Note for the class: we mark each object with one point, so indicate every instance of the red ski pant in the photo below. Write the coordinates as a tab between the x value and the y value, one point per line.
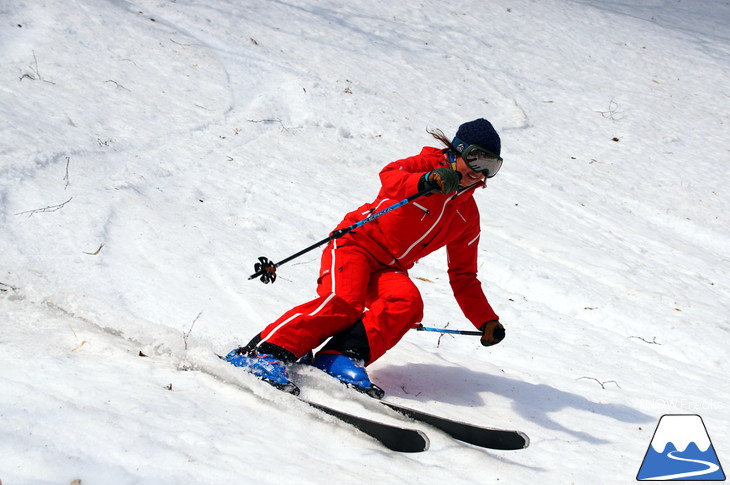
352	286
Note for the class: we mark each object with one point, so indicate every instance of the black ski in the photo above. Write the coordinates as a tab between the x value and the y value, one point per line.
494	438
409	440
395	438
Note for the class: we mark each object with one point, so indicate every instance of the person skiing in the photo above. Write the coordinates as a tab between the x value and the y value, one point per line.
366	301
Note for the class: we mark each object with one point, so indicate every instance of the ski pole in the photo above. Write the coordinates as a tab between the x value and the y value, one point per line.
266	269
421	328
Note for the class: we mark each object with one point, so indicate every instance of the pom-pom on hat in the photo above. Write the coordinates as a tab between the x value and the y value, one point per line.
478	132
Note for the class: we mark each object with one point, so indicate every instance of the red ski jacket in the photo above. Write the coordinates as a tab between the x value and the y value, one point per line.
400	238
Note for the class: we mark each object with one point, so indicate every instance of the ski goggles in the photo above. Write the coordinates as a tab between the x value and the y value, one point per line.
479	159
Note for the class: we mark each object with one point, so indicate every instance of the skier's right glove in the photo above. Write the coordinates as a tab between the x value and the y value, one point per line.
492	333
442	178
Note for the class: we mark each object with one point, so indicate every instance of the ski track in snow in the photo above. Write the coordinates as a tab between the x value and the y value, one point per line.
154	149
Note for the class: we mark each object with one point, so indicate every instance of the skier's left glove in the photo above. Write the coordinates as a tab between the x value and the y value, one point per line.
492	333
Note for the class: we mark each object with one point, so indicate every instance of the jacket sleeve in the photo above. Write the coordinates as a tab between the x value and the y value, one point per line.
400	178
462	259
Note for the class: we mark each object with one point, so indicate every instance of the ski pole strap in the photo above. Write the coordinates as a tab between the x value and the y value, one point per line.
421	328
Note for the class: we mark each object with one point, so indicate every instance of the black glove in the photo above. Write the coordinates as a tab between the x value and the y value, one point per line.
492	333
443	178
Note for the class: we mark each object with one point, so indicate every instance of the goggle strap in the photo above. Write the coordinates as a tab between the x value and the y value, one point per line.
459	145
452	159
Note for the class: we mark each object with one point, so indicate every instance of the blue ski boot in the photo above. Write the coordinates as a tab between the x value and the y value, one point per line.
264	366
349	371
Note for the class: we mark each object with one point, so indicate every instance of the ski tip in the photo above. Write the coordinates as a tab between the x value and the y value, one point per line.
426	441
526	438
416	441
517	441
509	440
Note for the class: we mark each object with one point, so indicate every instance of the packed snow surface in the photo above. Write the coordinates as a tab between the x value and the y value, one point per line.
152	150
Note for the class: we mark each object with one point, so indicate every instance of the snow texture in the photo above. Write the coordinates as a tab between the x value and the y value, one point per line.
152	150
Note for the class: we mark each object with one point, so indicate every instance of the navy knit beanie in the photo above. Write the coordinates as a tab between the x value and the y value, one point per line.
478	132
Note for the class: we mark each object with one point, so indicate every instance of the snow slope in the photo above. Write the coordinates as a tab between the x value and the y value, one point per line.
152	150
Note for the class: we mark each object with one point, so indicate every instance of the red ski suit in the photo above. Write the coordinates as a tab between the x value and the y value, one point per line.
364	274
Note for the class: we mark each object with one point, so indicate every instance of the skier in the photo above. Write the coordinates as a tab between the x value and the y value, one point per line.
366	301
